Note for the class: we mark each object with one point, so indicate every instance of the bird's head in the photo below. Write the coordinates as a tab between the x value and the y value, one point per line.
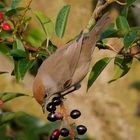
39	93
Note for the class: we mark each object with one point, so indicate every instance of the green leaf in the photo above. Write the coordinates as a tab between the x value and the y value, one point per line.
130	38
35	37
122	24
122	65
130	2
21	67
4	48
46	23
61	21
9	116
51	47
14	12
6	96
15	3
97	69
24	66
17	53
124	12
2	7
19	45
109	33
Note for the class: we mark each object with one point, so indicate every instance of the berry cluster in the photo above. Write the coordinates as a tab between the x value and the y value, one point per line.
3	24
54	116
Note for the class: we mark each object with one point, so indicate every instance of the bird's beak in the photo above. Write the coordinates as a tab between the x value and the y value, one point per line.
43	108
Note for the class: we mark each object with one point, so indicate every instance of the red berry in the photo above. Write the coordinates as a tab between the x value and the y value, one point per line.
1	102
1	14
6	26
55	134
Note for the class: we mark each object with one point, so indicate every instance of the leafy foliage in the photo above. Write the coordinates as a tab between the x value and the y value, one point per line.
62	21
97	69
122	65
10	95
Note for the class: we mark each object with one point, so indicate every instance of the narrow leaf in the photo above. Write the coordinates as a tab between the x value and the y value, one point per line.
130	38
17	53
19	44
16	71
21	68
97	69
130	2
14	12
122	65
109	33
6	96
61	21
122	24
24	66
2	7
14	3
46	23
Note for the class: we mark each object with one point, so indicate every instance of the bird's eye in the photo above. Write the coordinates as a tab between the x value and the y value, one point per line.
45	96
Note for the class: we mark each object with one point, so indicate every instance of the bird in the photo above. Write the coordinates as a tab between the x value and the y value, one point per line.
63	71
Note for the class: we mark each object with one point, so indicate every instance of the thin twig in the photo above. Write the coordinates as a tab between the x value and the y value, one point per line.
21	18
67	120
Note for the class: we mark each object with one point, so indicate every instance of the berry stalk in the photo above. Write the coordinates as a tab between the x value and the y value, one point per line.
67	120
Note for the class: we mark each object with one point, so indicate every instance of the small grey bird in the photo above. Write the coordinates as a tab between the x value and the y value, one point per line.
68	66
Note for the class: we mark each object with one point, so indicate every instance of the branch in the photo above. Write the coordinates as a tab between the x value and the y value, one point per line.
67	120
20	21
101	5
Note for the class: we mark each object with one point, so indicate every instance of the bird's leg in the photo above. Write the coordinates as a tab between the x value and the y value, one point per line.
72	89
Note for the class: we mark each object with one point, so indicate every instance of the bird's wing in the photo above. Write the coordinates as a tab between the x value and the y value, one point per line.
72	53
61	66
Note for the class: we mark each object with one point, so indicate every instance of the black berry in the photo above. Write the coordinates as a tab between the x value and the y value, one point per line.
81	129
50	107
55	134
51	117
53	137
56	101
64	132
75	114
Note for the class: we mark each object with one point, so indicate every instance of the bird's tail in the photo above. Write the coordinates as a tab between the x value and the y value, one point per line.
94	35
101	25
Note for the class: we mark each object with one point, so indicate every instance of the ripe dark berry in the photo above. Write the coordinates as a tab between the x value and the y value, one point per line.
56	101
1	14
75	114
53	137
55	134
6	26
58	115
50	107
64	132
51	117
81	129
